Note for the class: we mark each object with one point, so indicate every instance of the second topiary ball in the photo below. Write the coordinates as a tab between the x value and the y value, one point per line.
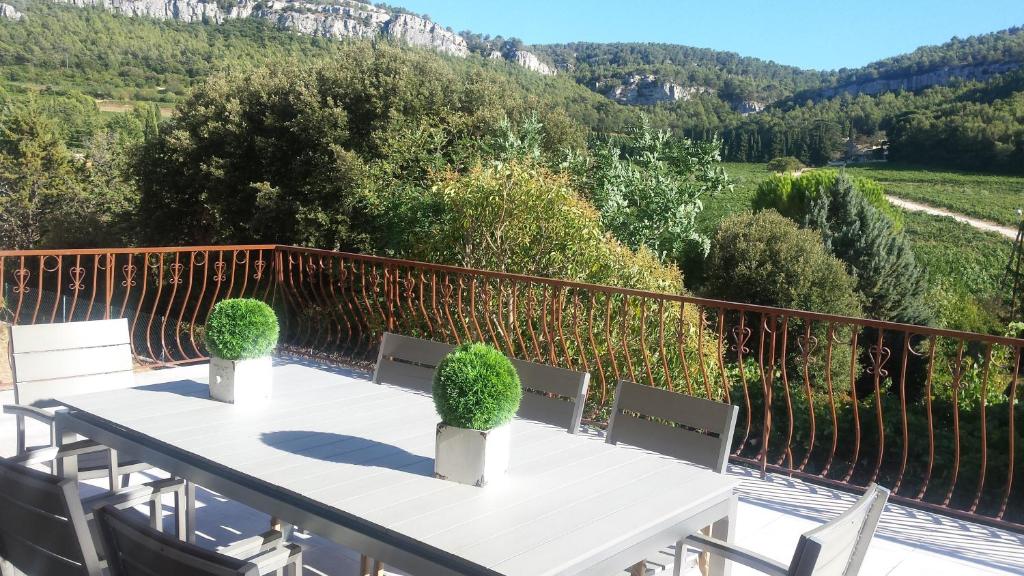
476	387
241	329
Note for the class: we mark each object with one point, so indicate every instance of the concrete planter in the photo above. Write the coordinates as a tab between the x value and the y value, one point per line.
241	381
475	457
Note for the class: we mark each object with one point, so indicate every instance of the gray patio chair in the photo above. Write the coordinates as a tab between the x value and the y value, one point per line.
692	429
134	549
45	527
836	548
50	360
550	394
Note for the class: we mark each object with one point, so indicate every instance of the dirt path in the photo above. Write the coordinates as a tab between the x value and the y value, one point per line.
985	225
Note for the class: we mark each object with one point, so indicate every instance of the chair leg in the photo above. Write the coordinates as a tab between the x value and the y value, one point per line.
704	557
370	567
20	432
156	514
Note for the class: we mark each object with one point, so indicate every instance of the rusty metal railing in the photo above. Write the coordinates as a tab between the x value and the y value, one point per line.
931	413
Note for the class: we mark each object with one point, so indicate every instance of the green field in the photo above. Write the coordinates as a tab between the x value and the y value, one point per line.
965	265
991	197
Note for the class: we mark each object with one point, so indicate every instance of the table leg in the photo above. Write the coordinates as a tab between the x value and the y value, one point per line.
724	529
190	512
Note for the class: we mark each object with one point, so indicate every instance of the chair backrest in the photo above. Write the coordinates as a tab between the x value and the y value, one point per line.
550	395
677	425
50	360
42	525
135	549
837	548
409	362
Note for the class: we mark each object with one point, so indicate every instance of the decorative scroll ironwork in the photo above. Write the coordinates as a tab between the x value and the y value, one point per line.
842	401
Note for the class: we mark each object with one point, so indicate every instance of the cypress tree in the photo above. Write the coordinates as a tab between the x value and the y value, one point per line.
879	257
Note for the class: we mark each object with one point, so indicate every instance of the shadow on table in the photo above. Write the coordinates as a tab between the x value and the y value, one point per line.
345	449
189	388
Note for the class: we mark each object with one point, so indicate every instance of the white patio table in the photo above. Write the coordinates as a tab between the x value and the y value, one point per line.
353	461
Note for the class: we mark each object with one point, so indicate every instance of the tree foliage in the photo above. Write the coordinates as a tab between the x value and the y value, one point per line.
767	259
792	195
649	189
879	256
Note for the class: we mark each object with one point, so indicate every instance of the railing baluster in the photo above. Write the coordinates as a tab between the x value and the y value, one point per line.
335	305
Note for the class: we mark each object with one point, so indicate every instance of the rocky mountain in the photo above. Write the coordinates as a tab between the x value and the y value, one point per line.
341	19
9	12
913	82
636	74
646	90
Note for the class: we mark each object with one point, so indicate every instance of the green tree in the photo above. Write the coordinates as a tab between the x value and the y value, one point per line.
515	217
767	259
649	189
36	176
879	257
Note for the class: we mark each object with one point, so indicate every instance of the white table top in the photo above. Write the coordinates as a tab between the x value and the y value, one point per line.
366	450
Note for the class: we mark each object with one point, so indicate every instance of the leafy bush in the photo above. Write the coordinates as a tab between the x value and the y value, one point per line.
241	328
792	195
785	164
767	259
476	387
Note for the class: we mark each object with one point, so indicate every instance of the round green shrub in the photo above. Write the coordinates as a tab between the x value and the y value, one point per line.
241	328
476	387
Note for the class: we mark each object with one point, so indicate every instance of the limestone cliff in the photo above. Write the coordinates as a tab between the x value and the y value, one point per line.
8	12
344	19
938	77
647	90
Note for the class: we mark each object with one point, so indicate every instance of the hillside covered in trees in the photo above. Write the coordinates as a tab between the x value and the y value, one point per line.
956	105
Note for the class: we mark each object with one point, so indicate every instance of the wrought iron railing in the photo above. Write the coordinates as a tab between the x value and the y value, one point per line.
931	413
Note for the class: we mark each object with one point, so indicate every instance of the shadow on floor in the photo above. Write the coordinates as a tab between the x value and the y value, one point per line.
920	529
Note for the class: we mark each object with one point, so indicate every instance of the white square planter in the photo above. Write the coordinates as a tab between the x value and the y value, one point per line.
473	457
241	381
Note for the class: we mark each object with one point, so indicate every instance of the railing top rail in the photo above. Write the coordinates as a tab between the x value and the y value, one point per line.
137	250
911	329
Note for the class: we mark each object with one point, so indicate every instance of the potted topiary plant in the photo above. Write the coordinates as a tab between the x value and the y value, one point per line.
240	334
476	392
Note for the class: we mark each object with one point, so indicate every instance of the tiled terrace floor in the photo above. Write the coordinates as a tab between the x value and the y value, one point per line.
772	515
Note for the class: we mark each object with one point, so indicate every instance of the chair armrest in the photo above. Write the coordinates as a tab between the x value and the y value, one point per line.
135	495
79	448
36	456
251	546
29	412
271	560
737	554
51	453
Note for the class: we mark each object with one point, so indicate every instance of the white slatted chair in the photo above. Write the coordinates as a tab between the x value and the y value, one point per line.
836	548
550	394
692	429
50	360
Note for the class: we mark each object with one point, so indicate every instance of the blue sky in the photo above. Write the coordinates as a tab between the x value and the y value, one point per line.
823	34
